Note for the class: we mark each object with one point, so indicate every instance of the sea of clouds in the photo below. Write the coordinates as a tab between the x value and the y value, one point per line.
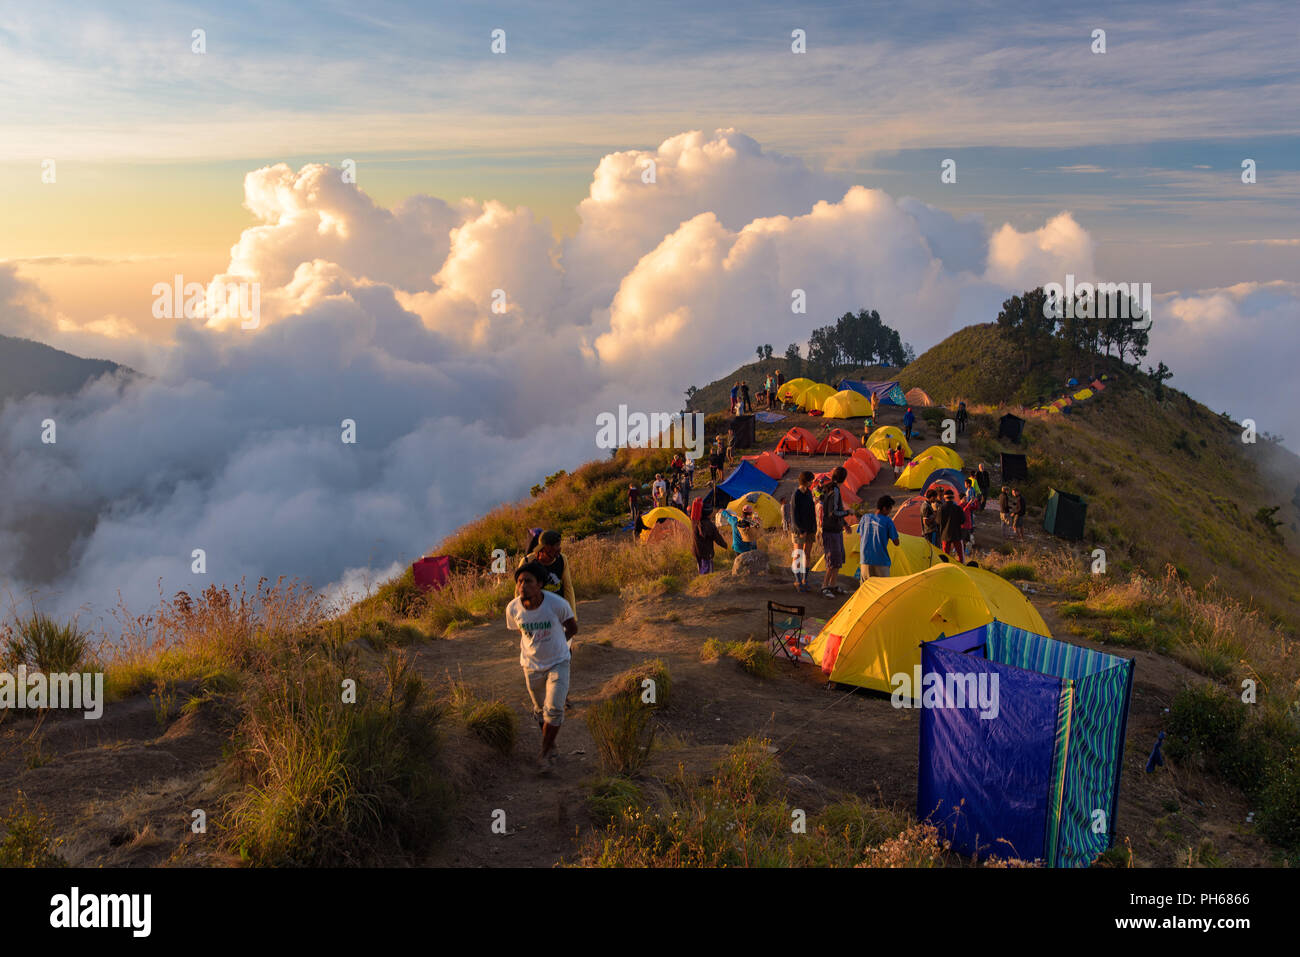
231	443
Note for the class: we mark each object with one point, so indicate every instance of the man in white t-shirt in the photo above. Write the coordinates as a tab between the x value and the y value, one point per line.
659	490
545	623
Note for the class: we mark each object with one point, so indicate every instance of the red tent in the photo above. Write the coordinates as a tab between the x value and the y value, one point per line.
907	519
838	441
769	463
797	440
431	573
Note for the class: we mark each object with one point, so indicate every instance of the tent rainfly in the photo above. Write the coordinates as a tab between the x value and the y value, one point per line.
1022	741
1065	514
1010	426
745	477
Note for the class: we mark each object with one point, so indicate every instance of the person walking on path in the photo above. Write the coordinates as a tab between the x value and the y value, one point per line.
962	416
546	625
909	417
1018	508
951	519
832	525
704	536
803	529
544	550
875	532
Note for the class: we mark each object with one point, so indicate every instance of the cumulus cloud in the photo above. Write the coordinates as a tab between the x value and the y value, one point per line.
386	317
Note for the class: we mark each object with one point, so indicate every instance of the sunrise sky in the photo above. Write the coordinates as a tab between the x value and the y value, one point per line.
522	170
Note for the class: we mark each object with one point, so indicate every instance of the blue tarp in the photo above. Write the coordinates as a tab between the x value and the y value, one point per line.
886	393
769	416
746	478
1036	780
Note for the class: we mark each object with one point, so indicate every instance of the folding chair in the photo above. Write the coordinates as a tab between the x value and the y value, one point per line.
785	631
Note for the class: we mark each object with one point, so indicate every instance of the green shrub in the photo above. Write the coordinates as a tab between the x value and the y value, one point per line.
27	840
1279	801
753	657
623	733
492	722
1018	571
611	798
712	649
40	642
631	682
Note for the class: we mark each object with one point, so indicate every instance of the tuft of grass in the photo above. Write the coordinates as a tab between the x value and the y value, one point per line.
1018	571
28	838
623	732
611	798
492	722
753	658
632	683
40	642
327	781
712	650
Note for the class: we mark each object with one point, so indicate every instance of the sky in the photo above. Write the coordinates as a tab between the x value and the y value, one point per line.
128	157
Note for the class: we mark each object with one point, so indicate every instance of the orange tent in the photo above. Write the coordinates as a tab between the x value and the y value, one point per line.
869	461
918	396
769	463
838	441
797	440
857	470
848	489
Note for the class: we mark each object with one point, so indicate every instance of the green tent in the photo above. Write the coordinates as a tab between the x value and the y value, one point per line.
1065	514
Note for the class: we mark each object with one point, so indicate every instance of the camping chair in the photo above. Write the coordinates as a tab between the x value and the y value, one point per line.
785	630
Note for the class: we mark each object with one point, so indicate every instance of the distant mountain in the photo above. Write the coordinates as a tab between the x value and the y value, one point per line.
32	368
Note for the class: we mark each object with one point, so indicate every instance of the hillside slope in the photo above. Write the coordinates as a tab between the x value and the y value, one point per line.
32	368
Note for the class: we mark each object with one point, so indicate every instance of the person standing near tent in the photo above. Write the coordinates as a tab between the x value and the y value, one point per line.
717	460
546	626
909	417
659	490
930	516
780	379
1018	508
962	416
875	406
832	525
803	530
896	459
704	535
875	532
634	503
951	519
744	529
985	482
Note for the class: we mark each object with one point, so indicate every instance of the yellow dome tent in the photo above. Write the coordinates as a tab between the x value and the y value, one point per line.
766	508
652	517
919	469
812	397
878	442
790	390
878	632
912	554
846	404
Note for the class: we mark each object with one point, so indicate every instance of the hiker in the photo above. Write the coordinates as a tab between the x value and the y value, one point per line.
659	490
634	503
731	445
546	625
962	416
875	407
896	459
832	526
690	473
985	482
909	417
802	525
717	459
744	529
704	535
951	519
735	394
1018	508
544	550
930	516
875	532
744	399
1004	507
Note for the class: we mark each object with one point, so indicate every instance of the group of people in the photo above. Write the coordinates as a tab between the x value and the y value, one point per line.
765	399
673	491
